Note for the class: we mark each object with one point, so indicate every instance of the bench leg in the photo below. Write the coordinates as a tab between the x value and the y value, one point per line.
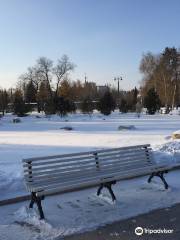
32	200
31	204
107	185
159	174
37	200
150	177
100	189
40	208
111	192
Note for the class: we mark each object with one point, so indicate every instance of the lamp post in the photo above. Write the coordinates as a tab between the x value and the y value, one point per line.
118	79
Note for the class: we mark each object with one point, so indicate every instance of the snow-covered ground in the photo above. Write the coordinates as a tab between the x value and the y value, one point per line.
73	212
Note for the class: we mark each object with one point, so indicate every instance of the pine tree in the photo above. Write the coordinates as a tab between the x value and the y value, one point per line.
3	101
30	93
107	104
135	94
87	106
19	106
152	101
64	106
123	107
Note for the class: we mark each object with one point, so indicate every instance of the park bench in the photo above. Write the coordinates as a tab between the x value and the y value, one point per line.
69	172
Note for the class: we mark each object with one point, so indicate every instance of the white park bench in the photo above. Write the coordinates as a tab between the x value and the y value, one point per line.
69	172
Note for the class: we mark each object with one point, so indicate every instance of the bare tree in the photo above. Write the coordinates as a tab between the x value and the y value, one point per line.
63	67
148	66
161	72
44	72
31	76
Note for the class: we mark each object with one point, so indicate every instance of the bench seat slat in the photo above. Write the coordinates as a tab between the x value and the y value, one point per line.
92	182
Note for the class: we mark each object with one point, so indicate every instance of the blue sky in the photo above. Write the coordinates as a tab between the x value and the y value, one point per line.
104	38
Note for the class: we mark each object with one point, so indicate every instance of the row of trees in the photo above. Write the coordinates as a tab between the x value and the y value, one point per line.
105	105
48	86
161	72
20	103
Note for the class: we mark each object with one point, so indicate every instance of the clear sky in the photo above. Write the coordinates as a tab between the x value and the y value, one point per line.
104	38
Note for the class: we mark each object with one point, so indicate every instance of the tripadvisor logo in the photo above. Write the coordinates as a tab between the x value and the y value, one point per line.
140	231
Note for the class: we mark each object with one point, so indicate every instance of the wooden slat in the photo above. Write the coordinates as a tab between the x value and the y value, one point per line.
129	164
151	167
82	176
84	158
87	168
64	166
84	165
62	172
66	163
96	181
61	178
61	161
84	153
122	159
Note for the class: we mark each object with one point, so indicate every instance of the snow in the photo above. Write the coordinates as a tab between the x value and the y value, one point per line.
176	132
80	211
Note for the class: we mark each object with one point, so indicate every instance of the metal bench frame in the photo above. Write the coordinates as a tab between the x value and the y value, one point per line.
38	194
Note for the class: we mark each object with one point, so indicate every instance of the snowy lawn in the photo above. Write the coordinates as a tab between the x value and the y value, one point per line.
78	211
81	211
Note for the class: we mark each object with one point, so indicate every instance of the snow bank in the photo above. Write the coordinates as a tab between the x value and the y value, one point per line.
168	153
29	218
170	147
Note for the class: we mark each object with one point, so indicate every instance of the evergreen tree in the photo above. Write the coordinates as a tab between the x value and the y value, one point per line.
19	106
123	107
107	104
135	94
48	106
87	106
72	107
152	101
30	93
3	101
64	106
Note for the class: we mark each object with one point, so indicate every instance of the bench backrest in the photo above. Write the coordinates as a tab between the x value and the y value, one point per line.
93	163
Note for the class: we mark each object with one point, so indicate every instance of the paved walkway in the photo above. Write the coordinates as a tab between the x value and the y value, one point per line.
168	218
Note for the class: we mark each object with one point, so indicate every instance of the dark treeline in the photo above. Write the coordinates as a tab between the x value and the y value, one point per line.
48	87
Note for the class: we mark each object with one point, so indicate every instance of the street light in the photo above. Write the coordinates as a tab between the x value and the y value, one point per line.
118	79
